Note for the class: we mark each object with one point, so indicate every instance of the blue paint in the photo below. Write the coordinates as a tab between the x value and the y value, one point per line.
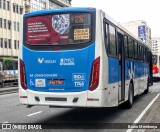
60	10
113	70
133	69
59	65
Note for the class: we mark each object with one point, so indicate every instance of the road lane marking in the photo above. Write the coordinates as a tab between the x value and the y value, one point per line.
144	111
34	113
5	122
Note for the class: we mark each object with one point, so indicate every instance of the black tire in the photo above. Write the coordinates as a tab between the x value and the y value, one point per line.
147	90
129	102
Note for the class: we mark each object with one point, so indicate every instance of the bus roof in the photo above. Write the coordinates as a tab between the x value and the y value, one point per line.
66	9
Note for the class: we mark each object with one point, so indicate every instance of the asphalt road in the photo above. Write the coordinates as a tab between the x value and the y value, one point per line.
12	112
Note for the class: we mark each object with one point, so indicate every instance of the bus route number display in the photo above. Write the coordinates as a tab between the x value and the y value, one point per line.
80	18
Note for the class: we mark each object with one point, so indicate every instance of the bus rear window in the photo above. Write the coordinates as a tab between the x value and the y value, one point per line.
58	29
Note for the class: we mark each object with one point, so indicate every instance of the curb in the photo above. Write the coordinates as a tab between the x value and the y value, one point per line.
8	91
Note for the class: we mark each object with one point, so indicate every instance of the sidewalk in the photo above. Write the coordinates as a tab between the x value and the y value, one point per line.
8	90
153	116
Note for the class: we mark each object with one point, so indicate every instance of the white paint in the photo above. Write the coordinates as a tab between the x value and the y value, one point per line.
144	111
34	113
5	122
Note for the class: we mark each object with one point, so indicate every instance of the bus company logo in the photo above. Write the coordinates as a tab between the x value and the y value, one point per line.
64	37
67	61
40	60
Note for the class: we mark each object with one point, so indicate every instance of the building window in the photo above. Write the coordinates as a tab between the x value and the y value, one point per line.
38	5
5	25
17	8
1	42
17	26
0	3
8	6
0	22
4	4
9	43
21	10
9	24
14	7
5	43
53	5
15	46
14	26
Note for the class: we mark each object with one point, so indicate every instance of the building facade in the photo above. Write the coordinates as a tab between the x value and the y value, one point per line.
10	15
10	21
156	46
33	5
140	29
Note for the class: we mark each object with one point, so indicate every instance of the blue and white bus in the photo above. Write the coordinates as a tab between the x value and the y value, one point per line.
80	57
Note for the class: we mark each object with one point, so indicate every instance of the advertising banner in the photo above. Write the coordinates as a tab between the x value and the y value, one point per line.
142	33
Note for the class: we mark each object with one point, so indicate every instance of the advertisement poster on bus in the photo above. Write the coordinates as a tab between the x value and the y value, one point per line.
41	29
142	33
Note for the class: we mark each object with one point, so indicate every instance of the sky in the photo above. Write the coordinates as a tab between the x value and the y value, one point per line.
128	10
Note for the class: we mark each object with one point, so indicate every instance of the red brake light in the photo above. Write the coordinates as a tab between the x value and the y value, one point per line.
94	76
155	69
22	75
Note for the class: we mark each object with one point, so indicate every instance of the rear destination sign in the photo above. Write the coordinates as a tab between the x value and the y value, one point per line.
81	34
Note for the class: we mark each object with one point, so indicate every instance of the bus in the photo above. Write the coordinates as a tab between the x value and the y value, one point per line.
156	66
80	57
8	71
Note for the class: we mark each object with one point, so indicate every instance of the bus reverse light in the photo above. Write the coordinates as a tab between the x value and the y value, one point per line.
94	76
22	75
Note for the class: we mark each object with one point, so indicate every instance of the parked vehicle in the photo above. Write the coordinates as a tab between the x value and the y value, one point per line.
8	71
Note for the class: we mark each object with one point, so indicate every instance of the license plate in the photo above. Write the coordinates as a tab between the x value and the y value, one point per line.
56	82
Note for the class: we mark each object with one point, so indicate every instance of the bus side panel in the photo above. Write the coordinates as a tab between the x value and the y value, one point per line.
129	74
113	74
146	75
136	77
100	94
23	96
22	93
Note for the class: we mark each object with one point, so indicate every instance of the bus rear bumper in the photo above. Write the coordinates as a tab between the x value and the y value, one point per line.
73	99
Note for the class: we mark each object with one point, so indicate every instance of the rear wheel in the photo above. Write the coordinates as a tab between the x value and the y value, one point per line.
129	103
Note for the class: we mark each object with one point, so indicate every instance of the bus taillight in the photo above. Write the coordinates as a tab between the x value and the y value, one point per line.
22	75
94	77
155	69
